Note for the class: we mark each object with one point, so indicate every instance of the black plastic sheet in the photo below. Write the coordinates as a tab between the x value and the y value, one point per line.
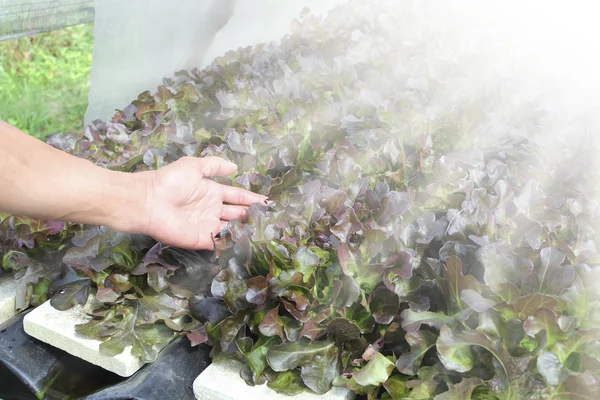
171	376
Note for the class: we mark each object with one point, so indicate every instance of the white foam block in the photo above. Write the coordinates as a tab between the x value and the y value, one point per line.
8	292
222	381
57	328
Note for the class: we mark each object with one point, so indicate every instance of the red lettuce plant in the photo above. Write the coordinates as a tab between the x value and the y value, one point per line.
407	254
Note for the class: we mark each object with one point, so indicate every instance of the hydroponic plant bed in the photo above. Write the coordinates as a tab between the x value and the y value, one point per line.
30	369
420	243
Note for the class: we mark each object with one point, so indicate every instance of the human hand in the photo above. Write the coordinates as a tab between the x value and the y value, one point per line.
176	205
184	209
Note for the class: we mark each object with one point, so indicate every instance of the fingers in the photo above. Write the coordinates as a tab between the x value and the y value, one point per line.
215	166
241	197
232	212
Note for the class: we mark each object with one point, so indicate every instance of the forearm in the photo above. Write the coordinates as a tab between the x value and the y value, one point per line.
39	181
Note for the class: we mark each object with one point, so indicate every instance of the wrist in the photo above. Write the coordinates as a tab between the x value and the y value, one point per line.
109	198
125	202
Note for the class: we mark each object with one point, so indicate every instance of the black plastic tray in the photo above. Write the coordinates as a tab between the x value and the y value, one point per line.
30	369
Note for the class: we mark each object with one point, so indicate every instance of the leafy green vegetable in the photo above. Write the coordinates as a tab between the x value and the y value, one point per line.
317	362
384	305
375	373
272	325
462	390
368	379
551	368
420	342
288	383
421	242
71	294
125	326
396	387
255	355
412	321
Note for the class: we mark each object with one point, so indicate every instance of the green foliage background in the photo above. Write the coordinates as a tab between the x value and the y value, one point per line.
44	80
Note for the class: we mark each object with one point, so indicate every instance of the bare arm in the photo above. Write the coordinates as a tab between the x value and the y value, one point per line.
175	204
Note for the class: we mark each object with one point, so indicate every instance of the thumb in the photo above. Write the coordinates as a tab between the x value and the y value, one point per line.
215	166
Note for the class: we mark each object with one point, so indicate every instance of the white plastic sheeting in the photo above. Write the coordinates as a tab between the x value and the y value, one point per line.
140	42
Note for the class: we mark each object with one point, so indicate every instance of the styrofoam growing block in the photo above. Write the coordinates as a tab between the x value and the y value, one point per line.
222	381
57	328
8	292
